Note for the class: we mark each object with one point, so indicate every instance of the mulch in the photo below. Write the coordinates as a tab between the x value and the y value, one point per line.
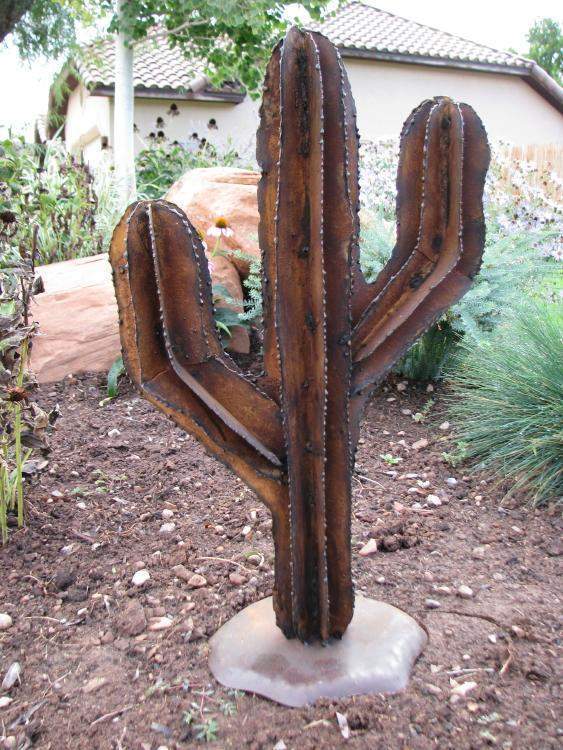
96	674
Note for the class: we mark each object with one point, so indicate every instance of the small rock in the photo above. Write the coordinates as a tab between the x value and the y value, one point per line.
518	631
181	572
433	500
492	638
64	578
76	594
197	581
5	621
57	494
444	426
444	590
94	684
431	603
369	548
466	592
132	620
406	412
401	387
114	433
460	691
159	623
167	514
420	444
140	577
237	579
451	481
429	388
478	553
12	676
167	528
5	701
280	745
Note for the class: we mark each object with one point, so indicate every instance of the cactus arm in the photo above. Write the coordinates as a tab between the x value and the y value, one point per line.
143	342
194	349
409	194
440	266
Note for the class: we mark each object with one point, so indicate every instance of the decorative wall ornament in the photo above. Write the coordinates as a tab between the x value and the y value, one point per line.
329	339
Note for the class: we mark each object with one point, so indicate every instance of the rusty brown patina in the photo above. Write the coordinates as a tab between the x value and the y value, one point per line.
329	337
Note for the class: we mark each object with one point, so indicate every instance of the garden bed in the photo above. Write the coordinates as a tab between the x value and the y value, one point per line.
96	674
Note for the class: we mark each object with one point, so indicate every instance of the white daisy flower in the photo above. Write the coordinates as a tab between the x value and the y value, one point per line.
220	228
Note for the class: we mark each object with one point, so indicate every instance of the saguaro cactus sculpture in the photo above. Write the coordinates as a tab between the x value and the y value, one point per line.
329	337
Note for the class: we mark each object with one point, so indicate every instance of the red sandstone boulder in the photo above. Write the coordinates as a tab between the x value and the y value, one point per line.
77	316
206	195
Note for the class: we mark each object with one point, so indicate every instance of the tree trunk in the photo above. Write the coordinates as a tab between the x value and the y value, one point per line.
11	13
123	120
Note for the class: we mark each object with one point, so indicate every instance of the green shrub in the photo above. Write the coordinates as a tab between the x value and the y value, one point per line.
22	422
163	162
506	402
52	195
522	257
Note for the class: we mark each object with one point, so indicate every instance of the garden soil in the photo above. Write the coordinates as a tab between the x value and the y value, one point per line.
106	664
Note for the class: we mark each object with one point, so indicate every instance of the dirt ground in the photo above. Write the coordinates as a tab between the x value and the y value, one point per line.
108	664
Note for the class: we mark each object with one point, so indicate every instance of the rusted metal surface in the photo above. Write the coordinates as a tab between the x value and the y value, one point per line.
329	337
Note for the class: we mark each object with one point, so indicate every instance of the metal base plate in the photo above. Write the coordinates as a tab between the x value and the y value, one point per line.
375	655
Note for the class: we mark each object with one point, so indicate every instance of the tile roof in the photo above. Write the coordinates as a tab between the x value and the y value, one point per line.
359	30
155	66
357	26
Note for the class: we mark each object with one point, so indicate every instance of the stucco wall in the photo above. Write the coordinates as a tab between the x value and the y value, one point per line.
385	93
235	123
87	122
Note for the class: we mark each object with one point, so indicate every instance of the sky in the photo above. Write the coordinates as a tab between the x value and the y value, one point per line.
496	23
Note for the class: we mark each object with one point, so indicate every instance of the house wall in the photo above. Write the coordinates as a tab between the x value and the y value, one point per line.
87	123
385	93
235	123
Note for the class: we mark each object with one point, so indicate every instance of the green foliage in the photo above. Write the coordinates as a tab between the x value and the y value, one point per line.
546	47
45	27
521	255
22	423
225	317
115	372
206	730
507	402
253	290
426	359
510	269
163	162
53	198
234	38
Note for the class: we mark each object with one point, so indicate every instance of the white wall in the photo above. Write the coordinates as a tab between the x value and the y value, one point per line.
385	94
236	123
87	122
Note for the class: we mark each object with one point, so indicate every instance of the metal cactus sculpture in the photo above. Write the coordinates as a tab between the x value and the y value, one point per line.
329	337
